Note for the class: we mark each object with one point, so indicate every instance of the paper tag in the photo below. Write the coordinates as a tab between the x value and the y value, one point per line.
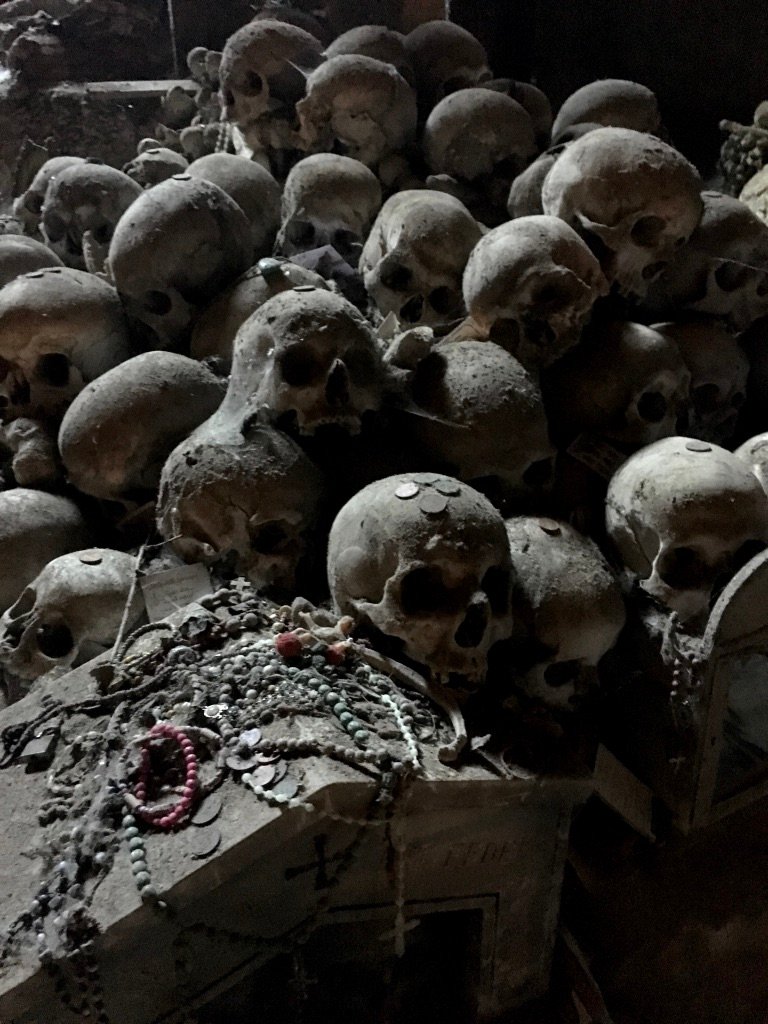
624	792
596	454
173	589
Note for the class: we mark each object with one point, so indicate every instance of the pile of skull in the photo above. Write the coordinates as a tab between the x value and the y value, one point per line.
407	324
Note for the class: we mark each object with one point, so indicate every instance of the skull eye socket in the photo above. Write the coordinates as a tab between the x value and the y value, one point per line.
553	296
422	592
413	310
268	538
684	569
538	473
251	84
54	226
654	270
300	367
730	276
443	300
396	278
53	369
562	673
102	234
505	332
652	407
496	586
158	303
55	641
301	232
33	203
23	606
344	240
706	398
646	231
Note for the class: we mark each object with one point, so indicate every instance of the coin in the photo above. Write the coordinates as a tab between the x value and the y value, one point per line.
242	763
263	775
407	490
280	770
205	843
433	504
448	487
90	558
250	738
208	811
550	526
265	757
287	787
698	446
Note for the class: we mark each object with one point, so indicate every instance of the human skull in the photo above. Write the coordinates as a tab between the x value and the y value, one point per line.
328	200
530	285
28	206
262	76
524	198
445	57
375	41
685	515
253	189
33	453
357	106
624	382
20	254
154	165
633	198
567	606
478	133
215	329
85	199
251	496
59	329
424	559
485	417
177	246
415	254
755	194
613	102
719	368
35	527
69	614
754	453
722	271
118	432
305	359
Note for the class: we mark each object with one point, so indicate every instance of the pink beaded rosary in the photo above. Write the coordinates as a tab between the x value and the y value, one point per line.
165	817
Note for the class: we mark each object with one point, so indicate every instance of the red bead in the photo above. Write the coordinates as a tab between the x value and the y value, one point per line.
288	645
188	792
335	654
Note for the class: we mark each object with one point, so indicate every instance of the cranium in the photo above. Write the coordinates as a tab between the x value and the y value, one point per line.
634	199
215	329
375	41
249	496
262	77
719	369
305	359
253	189
567	607
59	329
530	285
424	560
414	257
524	198
486	417
21	255
178	245
624	382
29	205
445	57
154	165
118	432
613	102
723	271
357	106
685	515
69	614
35	527
86	199
33	453
328	200
754	453
755	194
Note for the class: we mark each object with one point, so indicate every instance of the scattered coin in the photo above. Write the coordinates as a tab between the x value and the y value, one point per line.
433	504
287	786
205	843
280	770
698	446
448	487
263	775
266	757
550	526
242	762
407	490
208	811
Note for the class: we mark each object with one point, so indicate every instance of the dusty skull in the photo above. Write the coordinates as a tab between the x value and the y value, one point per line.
178	245
723	271
376	41
85	201
154	165
624	382
357	106
424	560
633	198
251	496
719	368
305	359
415	254
33	453
59	329
118	432
613	102
215	329
475	133
755	194
28	206
567	606
486	416
262	77
445	57
35	527
524	198
530	285
685	515
21	255
328	200
754	453
69	614
253	189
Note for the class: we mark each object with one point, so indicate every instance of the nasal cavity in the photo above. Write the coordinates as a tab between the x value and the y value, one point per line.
652	407
472	630
412	311
337	385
